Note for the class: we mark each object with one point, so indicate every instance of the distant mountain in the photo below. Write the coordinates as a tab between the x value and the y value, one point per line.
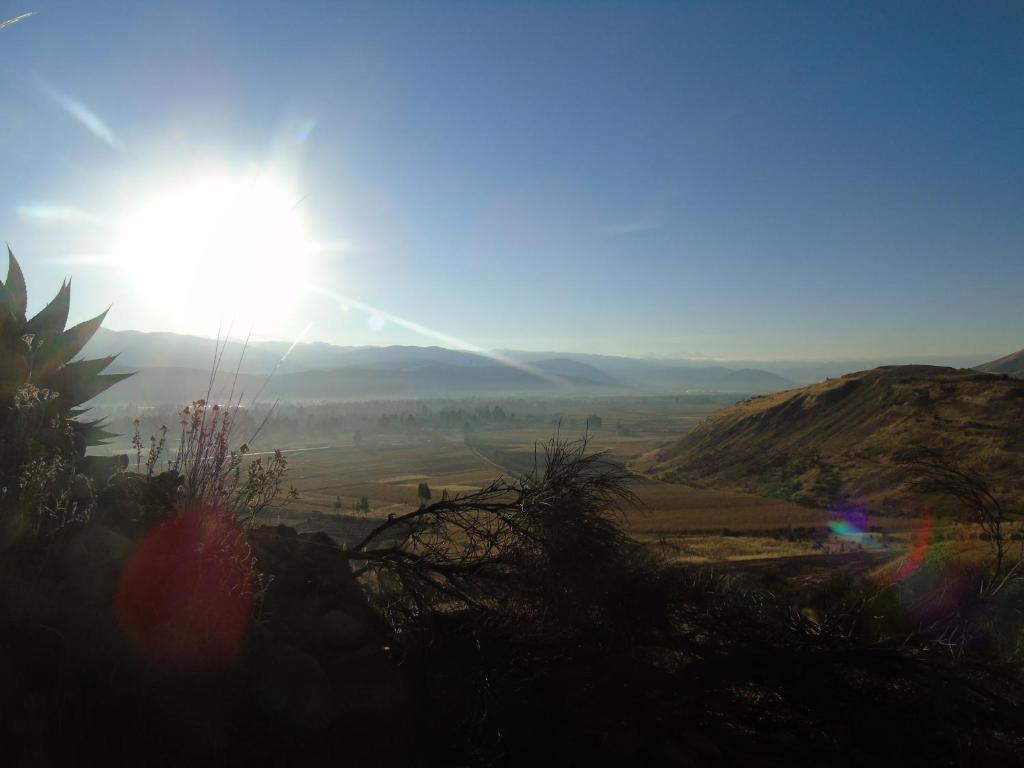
175	368
171	350
715	378
180	385
836	439
573	370
404	357
813	371
792	371
1012	365
670	376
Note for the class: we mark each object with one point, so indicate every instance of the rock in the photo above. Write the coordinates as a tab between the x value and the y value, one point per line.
290	683
91	558
311	578
342	632
369	683
7	677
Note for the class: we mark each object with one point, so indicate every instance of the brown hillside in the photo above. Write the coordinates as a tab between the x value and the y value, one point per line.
1012	365
836	439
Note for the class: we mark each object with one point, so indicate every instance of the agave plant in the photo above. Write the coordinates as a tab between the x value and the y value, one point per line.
38	352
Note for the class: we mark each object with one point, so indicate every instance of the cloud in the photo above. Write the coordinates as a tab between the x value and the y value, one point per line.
16	19
48	213
85	117
83	260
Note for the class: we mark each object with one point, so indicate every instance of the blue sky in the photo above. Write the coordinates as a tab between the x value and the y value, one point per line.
758	180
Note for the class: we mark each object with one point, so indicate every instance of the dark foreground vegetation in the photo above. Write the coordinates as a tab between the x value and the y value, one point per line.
147	617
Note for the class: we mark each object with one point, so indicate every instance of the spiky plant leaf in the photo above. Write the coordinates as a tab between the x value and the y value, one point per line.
15	362
54	351
77	392
71	377
51	319
15	285
7	305
38	352
74	339
9	327
94	432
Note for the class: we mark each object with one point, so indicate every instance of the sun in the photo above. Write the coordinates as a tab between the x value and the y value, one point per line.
218	251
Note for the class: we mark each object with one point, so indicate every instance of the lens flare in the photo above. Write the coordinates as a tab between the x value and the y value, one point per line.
918	550
185	597
852	525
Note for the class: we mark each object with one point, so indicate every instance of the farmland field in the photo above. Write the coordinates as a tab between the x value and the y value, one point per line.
354	463
385	466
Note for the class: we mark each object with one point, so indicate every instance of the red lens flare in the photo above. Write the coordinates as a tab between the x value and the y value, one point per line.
185	597
918	550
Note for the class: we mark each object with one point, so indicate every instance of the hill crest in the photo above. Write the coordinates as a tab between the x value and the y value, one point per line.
833	441
1012	365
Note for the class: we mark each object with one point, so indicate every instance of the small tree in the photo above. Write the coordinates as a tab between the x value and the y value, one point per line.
977	503
546	546
423	492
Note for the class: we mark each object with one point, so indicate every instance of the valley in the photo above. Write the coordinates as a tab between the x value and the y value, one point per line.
401	444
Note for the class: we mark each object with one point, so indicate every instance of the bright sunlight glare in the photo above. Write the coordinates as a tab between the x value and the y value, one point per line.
229	251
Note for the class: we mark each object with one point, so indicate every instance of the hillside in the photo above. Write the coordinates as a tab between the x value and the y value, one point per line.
1012	365
834	440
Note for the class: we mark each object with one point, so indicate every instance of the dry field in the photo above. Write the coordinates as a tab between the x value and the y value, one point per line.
682	523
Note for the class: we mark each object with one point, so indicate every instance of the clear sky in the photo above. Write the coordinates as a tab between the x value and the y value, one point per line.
754	180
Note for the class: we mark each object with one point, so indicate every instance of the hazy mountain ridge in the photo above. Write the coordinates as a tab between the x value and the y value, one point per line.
317	371
160	350
794	371
833	440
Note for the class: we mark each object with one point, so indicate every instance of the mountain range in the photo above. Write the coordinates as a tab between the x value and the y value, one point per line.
174	368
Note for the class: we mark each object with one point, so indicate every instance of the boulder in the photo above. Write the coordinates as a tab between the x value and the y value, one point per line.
90	559
289	683
342	632
312	599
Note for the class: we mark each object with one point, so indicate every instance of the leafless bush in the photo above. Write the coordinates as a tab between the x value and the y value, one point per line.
219	475
977	502
547	543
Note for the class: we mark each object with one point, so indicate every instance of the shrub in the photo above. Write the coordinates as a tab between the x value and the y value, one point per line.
545	549
43	483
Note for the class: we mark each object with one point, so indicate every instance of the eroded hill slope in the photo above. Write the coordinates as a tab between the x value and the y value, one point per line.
836	440
1012	365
